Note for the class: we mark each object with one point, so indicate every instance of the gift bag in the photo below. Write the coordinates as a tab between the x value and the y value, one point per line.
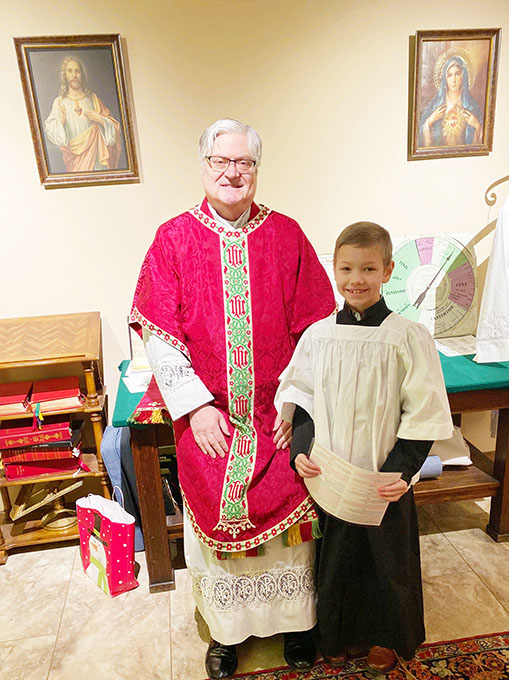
106	543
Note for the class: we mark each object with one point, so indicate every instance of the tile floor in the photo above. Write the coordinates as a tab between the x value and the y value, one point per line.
56	625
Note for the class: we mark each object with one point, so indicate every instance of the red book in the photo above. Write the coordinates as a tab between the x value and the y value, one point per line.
15	456
52	430
57	394
14	398
54	467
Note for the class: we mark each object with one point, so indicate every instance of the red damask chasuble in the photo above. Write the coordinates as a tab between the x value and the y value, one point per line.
235	303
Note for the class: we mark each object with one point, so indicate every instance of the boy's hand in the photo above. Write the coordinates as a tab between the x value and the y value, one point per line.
393	492
305	467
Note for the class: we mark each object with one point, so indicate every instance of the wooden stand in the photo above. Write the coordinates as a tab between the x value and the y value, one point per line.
35	348
484	478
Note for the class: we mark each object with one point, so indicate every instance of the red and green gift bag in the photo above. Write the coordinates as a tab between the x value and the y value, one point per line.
106	543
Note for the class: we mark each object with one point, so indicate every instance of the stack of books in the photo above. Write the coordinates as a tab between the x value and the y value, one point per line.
56	394
27	451
42	396
15	398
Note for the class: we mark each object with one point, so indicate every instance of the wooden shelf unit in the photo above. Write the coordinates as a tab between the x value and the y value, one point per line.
90	460
28	531
85	408
46	347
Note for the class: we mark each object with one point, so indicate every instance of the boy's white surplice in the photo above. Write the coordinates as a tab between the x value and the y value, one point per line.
367	386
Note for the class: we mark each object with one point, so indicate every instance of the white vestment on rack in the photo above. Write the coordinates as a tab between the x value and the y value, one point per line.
493	329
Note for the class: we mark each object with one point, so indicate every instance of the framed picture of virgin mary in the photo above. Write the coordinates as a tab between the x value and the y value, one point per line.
78	109
454	90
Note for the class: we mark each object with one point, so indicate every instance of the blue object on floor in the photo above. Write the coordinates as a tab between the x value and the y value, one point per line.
432	468
118	460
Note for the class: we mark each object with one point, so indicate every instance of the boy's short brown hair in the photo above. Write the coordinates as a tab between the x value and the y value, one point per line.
364	235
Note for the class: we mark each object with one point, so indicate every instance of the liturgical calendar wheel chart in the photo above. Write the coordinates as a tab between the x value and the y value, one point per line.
435	283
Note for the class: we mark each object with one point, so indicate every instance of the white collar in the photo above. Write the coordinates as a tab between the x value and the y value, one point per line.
235	224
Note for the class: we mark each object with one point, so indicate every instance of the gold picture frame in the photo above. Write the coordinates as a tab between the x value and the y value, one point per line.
453	93
78	109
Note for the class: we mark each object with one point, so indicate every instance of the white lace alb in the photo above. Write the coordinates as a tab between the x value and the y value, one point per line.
234	591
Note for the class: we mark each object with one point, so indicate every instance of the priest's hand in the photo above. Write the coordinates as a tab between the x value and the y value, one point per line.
393	492
305	467
283	431
209	430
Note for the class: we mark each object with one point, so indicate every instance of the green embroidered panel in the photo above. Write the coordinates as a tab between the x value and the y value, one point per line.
234	514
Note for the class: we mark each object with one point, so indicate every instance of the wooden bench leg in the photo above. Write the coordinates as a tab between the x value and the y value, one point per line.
498	527
3	552
153	517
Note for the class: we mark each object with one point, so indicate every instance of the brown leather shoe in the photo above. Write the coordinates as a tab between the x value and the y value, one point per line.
358	651
338	660
381	659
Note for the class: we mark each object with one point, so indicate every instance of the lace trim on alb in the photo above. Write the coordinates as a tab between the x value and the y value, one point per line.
494	329
170	376
235	591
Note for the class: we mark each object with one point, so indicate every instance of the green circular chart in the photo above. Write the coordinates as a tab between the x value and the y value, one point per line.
434	282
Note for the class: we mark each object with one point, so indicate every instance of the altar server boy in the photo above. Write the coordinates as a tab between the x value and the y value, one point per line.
367	384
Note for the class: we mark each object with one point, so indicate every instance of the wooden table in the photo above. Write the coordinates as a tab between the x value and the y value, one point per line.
484	478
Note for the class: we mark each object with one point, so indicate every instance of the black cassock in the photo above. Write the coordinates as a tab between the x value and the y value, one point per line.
368	578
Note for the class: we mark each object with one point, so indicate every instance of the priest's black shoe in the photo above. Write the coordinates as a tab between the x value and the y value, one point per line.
299	650
220	660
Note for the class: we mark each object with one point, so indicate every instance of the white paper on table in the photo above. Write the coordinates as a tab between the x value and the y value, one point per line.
347	491
456	346
139	361
135	380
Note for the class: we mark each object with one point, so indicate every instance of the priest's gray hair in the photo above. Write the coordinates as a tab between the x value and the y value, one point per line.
226	125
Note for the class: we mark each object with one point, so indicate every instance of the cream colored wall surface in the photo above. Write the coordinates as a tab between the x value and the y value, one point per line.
325	83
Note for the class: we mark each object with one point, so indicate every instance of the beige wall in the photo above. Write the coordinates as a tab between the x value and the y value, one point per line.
325	83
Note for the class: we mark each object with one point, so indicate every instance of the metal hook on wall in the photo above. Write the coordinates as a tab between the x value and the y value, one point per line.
491	200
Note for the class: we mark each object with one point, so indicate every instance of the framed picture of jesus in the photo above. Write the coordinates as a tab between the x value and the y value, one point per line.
78	110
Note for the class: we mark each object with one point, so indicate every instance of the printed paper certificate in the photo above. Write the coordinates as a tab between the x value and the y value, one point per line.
347	491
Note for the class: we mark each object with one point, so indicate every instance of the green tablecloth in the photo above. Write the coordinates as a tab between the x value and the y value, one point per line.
461	374
126	401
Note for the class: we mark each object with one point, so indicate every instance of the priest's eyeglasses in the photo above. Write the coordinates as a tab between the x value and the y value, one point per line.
221	164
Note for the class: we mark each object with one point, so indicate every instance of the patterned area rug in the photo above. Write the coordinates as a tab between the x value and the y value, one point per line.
478	658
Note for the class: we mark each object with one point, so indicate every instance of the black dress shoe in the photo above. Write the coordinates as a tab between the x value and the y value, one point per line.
299	650
220	660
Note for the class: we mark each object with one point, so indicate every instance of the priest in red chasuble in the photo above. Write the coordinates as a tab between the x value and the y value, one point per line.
225	291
